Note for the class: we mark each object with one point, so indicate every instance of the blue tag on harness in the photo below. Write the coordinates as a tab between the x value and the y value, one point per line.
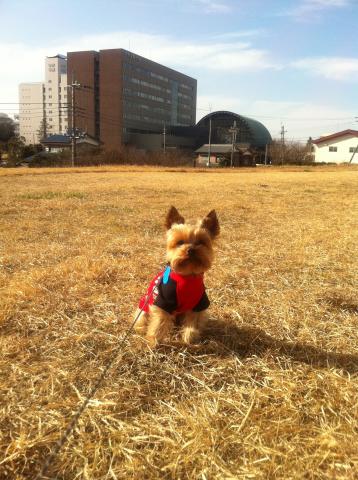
166	275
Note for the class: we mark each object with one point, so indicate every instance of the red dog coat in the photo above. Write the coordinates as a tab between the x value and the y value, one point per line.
176	293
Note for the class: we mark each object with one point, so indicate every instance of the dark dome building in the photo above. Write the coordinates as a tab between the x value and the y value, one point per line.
250	131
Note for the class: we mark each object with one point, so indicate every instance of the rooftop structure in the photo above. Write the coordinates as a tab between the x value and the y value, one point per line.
250	131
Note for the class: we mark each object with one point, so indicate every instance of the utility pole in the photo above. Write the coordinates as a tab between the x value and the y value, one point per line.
44	113
356	149
309	148
234	130
283	131
266	151
209	149
73	87
164	134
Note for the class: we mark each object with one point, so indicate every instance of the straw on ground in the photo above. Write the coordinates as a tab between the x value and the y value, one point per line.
272	390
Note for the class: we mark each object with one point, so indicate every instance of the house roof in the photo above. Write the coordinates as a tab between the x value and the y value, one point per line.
333	136
56	139
222	148
65	141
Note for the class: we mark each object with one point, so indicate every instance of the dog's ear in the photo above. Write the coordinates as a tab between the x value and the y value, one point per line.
173	216
211	224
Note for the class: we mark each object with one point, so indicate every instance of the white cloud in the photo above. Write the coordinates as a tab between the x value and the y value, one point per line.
300	119
211	6
240	34
21	64
310	9
25	63
211	103
334	68
210	55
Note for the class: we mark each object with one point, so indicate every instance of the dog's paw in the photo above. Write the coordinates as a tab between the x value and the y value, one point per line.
152	341
190	335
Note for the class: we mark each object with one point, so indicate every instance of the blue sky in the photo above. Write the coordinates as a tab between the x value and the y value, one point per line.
282	62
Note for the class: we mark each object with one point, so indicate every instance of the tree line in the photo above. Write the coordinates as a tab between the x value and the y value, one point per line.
12	146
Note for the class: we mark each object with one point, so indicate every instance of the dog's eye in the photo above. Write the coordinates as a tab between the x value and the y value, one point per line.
180	243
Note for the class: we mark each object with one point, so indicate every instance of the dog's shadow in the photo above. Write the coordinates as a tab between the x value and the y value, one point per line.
226	338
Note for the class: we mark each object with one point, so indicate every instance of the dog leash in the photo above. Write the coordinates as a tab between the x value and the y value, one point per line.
71	426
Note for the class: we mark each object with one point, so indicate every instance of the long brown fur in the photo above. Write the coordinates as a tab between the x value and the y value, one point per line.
189	252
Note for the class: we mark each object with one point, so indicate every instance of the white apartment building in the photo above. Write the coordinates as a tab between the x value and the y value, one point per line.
56	94
45	101
31	110
340	147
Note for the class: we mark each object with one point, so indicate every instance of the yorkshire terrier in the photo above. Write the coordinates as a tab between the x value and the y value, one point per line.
177	294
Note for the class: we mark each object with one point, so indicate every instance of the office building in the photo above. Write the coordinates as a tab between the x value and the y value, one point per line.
124	98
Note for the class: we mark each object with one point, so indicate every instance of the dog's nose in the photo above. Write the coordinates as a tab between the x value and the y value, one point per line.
191	251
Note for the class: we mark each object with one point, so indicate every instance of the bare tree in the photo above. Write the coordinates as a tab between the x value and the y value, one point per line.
43	129
294	153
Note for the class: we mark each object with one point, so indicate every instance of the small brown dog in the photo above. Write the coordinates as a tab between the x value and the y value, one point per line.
178	292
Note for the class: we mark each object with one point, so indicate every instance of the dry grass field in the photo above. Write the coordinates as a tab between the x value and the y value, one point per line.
271	391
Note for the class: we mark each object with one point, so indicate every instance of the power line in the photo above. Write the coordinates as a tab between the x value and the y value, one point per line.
303	119
34	103
296	119
280	117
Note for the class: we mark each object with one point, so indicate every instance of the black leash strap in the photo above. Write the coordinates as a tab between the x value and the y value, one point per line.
71	426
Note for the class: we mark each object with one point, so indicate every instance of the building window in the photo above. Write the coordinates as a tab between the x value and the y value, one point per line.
183	95
186	87
332	149
135	93
146	84
184	116
353	149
